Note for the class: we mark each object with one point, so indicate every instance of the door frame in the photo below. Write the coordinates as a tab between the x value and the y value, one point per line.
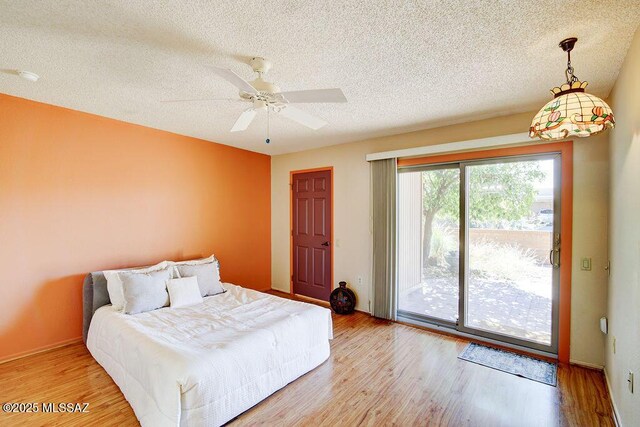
333	246
565	149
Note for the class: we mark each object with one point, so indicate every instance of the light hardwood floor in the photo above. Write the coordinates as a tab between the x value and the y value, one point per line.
379	373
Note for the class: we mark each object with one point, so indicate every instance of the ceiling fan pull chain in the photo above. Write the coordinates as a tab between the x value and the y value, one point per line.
268	132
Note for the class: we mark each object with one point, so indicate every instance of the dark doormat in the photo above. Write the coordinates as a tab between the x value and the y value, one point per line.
516	364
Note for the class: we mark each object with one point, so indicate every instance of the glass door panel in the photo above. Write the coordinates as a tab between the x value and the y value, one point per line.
428	243
510	227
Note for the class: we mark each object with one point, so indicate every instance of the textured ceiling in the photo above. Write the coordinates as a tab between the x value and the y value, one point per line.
403	65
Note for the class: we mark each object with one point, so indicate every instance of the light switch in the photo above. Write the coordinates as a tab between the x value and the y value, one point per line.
585	264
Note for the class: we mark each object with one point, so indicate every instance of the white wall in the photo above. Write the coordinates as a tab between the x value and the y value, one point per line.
352	215
624	239
589	288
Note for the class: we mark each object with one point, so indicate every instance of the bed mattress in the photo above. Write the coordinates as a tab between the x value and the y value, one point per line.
205	364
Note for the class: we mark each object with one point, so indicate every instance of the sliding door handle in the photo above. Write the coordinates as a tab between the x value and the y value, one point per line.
554	254
552	258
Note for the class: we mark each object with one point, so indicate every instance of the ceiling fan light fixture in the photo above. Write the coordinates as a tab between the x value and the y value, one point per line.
572	112
259	104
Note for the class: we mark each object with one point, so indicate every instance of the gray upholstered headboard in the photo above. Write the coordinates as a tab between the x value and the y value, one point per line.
94	296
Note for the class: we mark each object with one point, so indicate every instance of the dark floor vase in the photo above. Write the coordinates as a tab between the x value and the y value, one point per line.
343	299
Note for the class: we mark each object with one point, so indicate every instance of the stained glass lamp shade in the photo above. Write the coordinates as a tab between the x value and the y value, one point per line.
572	112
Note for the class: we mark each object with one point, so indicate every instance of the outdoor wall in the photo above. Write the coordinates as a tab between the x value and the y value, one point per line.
352	246
624	240
536	241
409	230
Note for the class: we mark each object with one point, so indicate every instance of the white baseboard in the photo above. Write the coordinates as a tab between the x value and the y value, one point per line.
616	414
586	364
277	288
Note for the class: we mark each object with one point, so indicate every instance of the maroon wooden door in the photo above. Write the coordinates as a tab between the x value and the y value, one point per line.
312	243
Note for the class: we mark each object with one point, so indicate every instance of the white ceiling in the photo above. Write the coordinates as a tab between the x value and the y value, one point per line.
403	65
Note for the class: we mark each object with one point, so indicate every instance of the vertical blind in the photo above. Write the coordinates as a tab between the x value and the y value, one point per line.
384	206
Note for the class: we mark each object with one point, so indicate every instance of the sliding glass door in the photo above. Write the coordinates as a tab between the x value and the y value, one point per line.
429	243
478	247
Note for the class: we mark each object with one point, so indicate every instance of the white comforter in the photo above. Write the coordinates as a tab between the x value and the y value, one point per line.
205	364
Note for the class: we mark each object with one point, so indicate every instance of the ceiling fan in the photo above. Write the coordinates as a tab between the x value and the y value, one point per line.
266	96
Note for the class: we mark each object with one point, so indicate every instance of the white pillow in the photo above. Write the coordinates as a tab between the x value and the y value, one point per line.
145	291
184	291
114	284
208	277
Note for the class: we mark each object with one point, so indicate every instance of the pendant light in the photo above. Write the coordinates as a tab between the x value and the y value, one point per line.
572	112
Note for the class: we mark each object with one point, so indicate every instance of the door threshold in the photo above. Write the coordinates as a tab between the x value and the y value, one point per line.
450	331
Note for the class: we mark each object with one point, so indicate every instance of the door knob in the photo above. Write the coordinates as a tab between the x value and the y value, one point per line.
325	244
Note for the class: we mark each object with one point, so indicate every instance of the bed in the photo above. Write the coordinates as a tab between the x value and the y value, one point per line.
205	364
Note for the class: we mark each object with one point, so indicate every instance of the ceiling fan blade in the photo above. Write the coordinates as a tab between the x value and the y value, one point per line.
244	120
302	117
314	95
234	79
201	100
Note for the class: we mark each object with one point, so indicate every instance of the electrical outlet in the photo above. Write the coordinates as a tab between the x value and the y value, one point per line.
630	381
359	280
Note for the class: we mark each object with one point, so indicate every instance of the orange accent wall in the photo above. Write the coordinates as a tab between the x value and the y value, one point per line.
80	193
